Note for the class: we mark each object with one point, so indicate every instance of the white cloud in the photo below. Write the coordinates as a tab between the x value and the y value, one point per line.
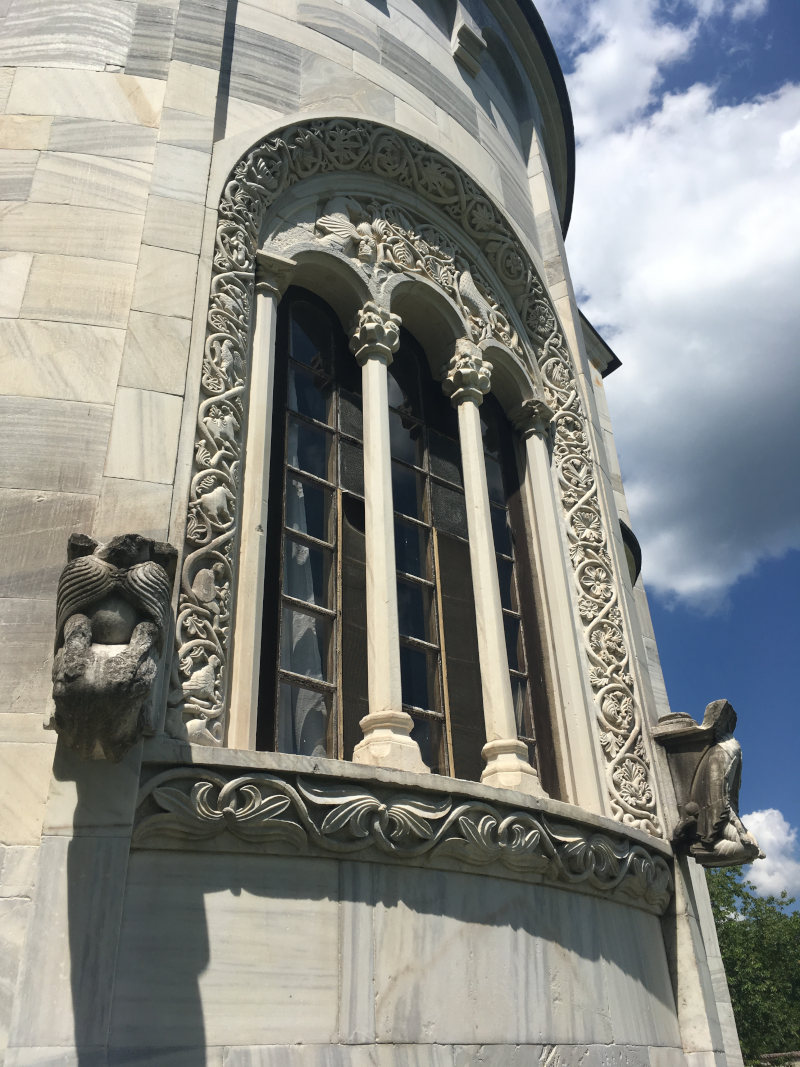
781	868
686	239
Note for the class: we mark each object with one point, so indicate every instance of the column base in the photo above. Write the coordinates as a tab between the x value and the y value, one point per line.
507	767
387	743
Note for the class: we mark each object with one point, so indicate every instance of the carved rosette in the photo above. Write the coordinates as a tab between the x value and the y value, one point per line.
468	376
383	238
262	812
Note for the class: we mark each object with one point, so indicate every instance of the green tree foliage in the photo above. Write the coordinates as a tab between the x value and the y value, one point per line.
760	942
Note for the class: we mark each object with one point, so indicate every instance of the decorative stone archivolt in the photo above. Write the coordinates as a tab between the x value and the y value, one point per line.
385	239
263	812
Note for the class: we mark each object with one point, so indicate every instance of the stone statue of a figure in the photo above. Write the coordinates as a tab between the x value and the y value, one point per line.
706	765
111	618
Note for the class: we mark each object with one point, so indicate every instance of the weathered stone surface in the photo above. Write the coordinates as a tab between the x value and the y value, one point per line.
69	289
71	231
144	436
87	94
14	270
706	766
112	615
84	180
61	360
120	140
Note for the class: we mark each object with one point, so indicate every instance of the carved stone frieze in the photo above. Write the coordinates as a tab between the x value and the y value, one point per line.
112	612
383	238
266	811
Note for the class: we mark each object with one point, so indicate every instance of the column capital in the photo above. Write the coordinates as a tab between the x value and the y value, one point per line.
532	417
273	273
468	375
375	334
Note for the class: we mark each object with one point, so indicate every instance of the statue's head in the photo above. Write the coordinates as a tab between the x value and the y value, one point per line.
720	717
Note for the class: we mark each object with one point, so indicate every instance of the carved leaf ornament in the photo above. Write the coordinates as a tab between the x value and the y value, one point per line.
386	239
266	810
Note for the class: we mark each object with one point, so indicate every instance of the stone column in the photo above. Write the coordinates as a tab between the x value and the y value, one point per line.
273	274
467	380
387	727
576	743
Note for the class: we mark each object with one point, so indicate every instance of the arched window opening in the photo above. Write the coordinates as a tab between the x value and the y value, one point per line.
313	680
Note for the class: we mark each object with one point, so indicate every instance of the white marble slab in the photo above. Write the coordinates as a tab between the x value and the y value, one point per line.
181	173
18	870
233	950
16	174
14	270
176	224
6	81
136	507
24	131
328	85
151	42
156	349
73	289
165	282
53	444
91	798
86	94
84	180
27	629
14	915
186	130
144	436
192	88
24	781
34	528
71	231
67	972
62	360
90	33
98	137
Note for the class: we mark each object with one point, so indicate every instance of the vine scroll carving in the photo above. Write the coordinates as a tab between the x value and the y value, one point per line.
385	239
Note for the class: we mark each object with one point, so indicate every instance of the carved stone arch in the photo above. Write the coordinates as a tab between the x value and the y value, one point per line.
509	303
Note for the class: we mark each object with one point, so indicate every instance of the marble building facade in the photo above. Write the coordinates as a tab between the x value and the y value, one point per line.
262	845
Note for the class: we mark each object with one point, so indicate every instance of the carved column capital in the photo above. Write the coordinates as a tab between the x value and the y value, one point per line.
375	334
532	417
468	375
273	273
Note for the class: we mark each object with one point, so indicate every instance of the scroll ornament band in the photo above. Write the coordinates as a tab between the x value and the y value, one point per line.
381	238
265	811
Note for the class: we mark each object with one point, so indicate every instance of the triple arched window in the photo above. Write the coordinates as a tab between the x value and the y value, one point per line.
313	676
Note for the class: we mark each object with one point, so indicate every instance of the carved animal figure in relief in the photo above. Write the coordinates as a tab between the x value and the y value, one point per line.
711	767
216	503
112	613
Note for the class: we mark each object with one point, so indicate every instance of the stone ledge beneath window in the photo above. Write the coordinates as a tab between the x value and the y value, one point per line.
196	798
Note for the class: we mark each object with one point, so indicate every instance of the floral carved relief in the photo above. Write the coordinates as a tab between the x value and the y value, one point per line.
382	238
265	811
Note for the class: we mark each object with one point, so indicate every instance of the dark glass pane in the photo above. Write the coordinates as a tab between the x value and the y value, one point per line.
309	393
449	510
404	378
505	574
396	397
308	448
515	658
310	336
489	428
501	532
414	610
405	438
351	459
407	491
494	480
307	572
308	507
411	548
428	735
418	677
303	718
351	420
519	695
463	671
305	644
445	457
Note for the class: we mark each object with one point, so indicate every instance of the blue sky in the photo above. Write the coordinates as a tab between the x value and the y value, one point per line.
684	249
